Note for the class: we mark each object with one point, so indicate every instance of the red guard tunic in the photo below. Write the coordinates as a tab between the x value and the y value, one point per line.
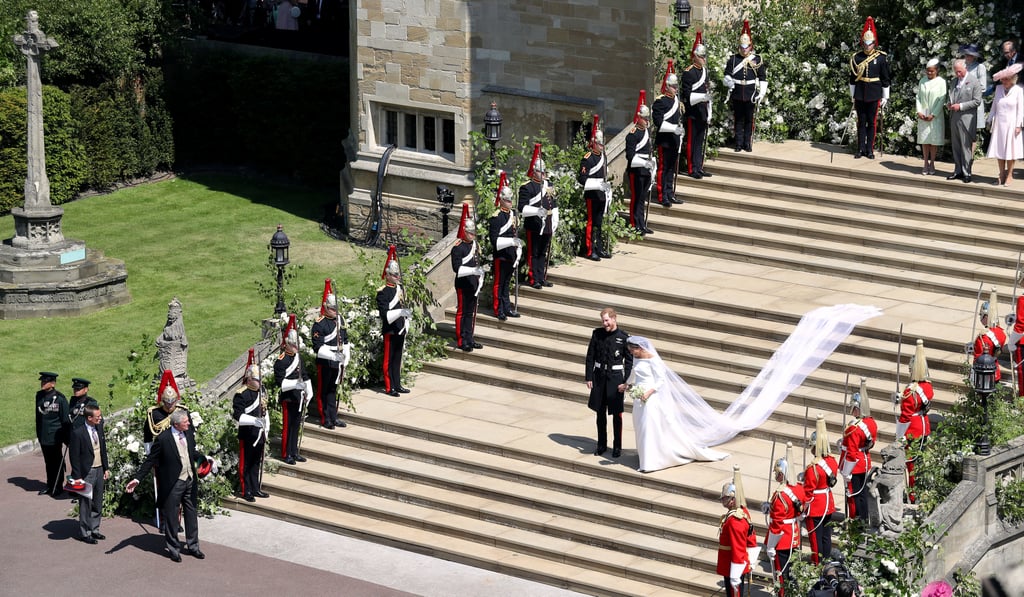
785	508
913	409
1015	335
858	438
819	492
989	343
734	537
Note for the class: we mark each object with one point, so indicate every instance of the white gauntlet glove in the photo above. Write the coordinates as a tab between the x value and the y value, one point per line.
679	130
196	418
885	97
289	384
729	82
346	354
852	89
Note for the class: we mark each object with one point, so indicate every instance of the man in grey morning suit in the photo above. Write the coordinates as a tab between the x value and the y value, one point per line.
964	99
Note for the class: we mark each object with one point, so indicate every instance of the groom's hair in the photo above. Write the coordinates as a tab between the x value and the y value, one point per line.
609	311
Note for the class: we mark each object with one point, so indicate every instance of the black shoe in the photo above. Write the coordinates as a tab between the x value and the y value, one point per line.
738	149
748	148
403	390
857	156
477	345
248	498
967	178
600	450
604	254
954	176
393	393
340	424
466	348
696	176
44	491
677	201
594	257
665	203
89	540
545	284
99	536
536	286
262	494
616	452
328	426
286	461
648	231
176	558
513	314
705	174
502	317
871	156
300	459
195	553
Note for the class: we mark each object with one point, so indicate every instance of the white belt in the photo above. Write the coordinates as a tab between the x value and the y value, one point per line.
745	81
788	520
821	491
606	367
593	184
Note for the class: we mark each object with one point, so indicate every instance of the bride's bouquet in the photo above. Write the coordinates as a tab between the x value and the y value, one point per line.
637	393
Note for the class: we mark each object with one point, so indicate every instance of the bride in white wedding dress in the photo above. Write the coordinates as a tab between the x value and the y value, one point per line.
674	425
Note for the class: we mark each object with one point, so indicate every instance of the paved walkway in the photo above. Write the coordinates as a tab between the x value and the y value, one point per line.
245	555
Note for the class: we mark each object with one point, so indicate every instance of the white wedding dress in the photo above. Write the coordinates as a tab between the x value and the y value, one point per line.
662	430
677	426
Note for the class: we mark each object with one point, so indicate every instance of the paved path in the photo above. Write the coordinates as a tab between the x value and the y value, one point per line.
245	555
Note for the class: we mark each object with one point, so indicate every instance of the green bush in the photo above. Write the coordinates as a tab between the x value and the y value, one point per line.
66	160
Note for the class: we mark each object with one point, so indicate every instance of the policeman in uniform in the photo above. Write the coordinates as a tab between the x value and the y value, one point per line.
469	280
641	165
819	478
855	453
737	542
53	424
784	511
296	391
597	194
747	81
330	343
696	97
395	320
540	219
667	115
80	398
913	423
608	367
249	408
990	341
503	231
869	88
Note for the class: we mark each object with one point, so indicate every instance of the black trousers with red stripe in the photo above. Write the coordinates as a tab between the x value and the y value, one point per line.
857	503
394	344
738	591
291	419
465	316
595	220
743	116
782	568
867	115
537	256
668	164
696	130
499	290
639	195
250	460
327	393
819	531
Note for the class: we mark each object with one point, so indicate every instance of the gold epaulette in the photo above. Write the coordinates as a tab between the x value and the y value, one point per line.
587	155
458	242
281	356
156	428
692	66
381	289
318	319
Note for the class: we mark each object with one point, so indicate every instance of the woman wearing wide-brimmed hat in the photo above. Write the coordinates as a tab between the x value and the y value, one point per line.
1007	144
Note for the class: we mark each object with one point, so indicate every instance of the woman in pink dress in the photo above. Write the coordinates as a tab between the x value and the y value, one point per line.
1007	144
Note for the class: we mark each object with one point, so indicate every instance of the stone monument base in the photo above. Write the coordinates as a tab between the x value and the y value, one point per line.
62	280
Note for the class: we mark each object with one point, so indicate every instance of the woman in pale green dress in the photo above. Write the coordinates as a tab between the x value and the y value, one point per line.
931	122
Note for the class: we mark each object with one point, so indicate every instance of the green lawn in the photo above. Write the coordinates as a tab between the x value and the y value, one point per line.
203	239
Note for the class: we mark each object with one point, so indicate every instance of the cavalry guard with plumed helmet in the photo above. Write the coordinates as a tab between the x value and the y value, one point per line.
737	542
330	344
747	81
158	417
914	424
296	392
855	455
503	232
696	97
597	193
869	87
784	511
249	409
667	118
641	166
819	478
539	209
469	280
992	340
395	320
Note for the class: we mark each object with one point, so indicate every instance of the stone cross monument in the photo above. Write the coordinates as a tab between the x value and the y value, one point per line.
38	223
42	274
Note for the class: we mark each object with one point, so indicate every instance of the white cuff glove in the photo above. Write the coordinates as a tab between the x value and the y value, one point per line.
847	469
1012	339
464	270
852	89
307	392
901	429
763	87
148	446
531	211
753	553
542	213
698	98
327	353
736	573
729	82
245	420
680	131
773	542
505	242
652	164
554	220
346	354
196	418
289	384
668	127
394	314
406	313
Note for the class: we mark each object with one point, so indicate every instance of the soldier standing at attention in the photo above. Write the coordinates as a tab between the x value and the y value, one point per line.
990	341
783	512
737	542
747	81
53	424
869	88
540	219
249	408
913	423
330	343
667	114
608	367
855	459
696	99
469	280
395	320
641	165
503	232
596	194
296	391
80	398
819	478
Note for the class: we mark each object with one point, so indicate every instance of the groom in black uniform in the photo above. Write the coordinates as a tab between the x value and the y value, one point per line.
608	367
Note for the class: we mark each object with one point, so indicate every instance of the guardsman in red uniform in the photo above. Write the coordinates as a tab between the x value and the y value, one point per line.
990	341
913	423
869	88
1013	343
330	344
747	81
540	219
784	512
737	542
855	454
696	98
819	478
469	279
640	166
503	232
296	392
667	117
394	324
597	194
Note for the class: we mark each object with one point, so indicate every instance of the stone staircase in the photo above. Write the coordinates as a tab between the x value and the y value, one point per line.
488	461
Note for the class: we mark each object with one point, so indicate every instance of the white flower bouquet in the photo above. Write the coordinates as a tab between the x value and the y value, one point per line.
637	393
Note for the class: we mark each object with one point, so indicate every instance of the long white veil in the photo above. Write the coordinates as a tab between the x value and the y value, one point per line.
814	339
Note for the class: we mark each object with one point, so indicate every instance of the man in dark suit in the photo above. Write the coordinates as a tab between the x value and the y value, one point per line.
175	455
964	99
52	426
88	454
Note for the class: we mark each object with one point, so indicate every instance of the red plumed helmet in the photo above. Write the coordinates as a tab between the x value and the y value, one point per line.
466	223
746	40
535	162
328	291
596	134
869	35
698	46
669	70
167	386
641	104
502	185
392	256
288	329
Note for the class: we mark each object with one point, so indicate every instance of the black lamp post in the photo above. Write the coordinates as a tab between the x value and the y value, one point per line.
279	251
984	384
682	14
492	127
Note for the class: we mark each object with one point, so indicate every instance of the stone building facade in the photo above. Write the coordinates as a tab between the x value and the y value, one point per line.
426	71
